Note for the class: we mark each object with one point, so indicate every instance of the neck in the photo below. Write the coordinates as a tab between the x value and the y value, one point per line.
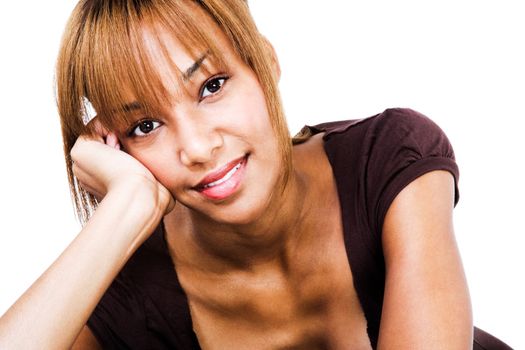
268	240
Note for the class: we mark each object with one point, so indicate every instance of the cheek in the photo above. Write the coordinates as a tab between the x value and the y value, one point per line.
258	129
161	166
248	112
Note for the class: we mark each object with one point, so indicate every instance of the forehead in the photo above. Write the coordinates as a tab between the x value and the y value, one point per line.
174	62
149	61
179	43
171	57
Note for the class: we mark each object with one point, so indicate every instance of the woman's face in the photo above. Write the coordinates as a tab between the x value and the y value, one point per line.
213	147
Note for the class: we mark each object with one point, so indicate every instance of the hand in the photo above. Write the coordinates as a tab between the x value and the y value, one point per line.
100	167
132	204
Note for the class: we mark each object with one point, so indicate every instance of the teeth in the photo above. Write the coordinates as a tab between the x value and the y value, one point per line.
226	177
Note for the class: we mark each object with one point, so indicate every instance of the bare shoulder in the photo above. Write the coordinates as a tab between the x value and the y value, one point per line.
421	211
310	152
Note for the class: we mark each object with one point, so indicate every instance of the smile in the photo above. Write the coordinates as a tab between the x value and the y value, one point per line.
228	175
224	182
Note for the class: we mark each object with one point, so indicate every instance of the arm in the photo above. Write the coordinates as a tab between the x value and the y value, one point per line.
426	303
86	341
54	310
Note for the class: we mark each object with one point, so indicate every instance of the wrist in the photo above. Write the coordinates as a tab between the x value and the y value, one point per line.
136	209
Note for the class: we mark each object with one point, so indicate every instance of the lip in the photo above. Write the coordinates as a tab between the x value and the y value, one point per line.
219	174
231	179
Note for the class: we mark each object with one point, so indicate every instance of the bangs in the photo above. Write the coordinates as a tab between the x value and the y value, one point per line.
106	58
116	69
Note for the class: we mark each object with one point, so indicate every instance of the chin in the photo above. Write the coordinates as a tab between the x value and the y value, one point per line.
243	196
245	207
247	212
243	210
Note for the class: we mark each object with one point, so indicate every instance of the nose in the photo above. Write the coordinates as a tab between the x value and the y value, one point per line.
198	143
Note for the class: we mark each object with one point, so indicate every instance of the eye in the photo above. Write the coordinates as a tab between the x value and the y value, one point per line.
212	86
143	127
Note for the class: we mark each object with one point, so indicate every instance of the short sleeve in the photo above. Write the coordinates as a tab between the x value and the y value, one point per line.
145	307
402	145
118	321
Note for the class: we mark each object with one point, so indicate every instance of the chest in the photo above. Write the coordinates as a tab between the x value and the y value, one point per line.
311	305
314	307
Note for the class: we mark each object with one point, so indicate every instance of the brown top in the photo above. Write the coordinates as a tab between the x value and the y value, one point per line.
372	159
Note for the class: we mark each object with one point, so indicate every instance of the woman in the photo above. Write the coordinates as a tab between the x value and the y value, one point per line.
273	246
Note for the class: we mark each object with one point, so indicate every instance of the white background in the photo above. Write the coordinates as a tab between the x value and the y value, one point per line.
459	62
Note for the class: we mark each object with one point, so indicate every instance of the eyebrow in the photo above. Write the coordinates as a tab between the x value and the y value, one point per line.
194	67
133	106
188	73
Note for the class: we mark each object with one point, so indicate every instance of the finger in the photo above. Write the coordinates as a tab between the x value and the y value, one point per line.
100	130
79	148
163	191
92	155
112	140
171	205
80	175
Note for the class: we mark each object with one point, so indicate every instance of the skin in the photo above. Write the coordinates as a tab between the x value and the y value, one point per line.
427	303
246	240
285	286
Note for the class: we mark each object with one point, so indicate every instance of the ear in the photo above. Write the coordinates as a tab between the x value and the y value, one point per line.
273	55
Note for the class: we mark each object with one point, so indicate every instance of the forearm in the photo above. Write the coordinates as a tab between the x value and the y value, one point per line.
55	308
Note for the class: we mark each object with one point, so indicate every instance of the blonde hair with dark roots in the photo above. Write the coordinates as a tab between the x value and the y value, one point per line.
102	47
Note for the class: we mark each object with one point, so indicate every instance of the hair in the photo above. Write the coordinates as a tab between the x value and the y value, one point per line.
102	47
